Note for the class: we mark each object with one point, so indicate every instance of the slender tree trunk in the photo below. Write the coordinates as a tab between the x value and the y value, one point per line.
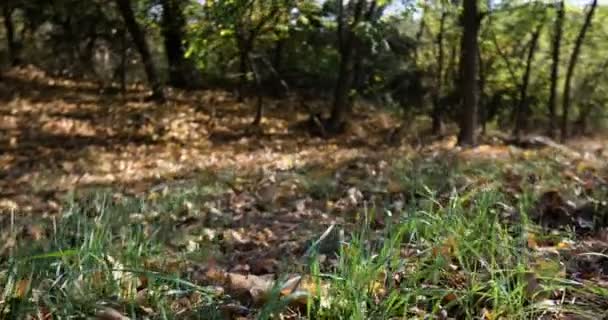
467	135
504	57
11	45
583	118
244	51
419	33
437	121
341	104
453	68
555	50
588	85
123	64
139	39
277	57
173	24
346	76
359	81
483	113
587	89
570	71
259	111
521	110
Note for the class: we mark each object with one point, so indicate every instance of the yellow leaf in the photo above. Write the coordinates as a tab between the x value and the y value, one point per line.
21	288
488	314
584	166
532	244
549	268
378	287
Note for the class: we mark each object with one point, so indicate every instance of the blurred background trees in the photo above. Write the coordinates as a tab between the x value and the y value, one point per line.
467	65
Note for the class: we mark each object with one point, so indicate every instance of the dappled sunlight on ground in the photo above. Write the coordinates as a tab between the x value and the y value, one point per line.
236	206
57	135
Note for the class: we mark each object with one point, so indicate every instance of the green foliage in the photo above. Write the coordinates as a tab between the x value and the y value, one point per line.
456	256
398	48
226	28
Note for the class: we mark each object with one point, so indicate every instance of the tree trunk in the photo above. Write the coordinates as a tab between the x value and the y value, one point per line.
259	111
587	89
437	121
11	45
277	57
504	57
467	134
483	113
122	69
520	112
342	101
453	68
419	33
243	70
583	118
173	24
571	66
139	39
556	46
347	45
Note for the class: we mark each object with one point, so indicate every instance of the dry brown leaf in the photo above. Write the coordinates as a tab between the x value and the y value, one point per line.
34	232
108	313
298	289
22	287
258	288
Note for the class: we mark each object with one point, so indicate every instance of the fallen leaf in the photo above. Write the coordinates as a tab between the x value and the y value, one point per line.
108	313
22	287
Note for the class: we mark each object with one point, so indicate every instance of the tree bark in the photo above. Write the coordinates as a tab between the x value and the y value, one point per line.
244	51
173	24
139	39
571	66
555	50
587	89
259	111
520	112
277	56
483	113
122	69
467	135
347	46
341	106
419	33
504	57
13	55
453	68
437	121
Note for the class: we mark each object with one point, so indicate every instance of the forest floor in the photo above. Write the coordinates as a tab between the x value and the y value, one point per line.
114	207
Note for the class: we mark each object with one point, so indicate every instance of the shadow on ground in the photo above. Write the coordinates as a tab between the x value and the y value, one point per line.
58	135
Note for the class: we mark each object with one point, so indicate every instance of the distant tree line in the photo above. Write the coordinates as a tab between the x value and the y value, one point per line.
517	66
